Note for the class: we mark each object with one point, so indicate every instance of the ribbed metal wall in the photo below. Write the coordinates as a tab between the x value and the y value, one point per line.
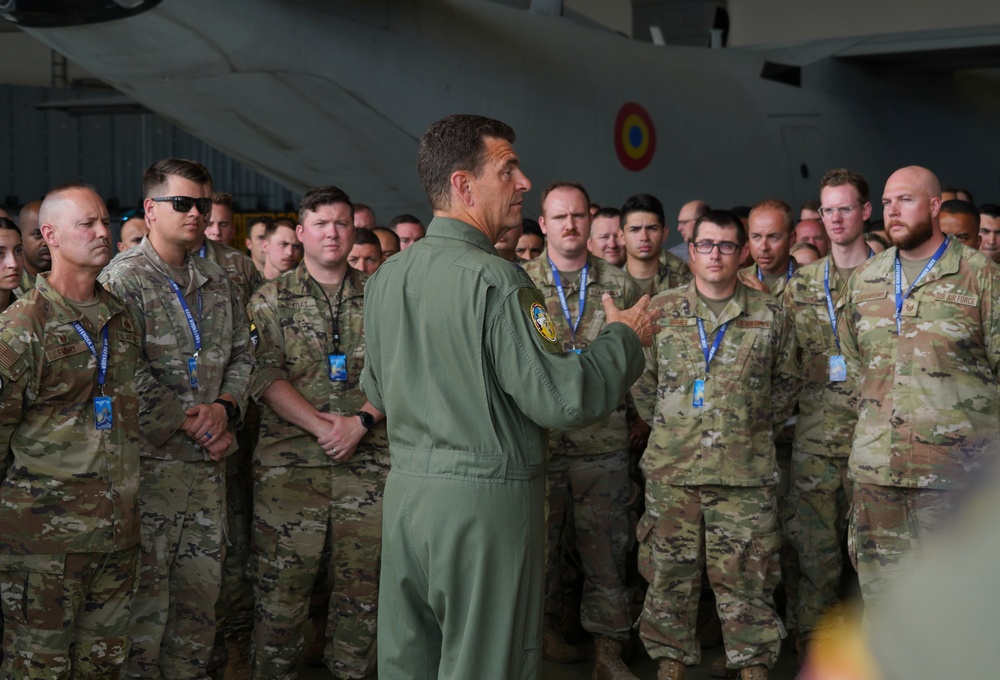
40	149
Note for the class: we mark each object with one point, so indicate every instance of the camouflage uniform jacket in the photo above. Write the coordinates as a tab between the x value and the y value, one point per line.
139	277
778	287
294	328
67	486
928	398
240	268
750	389
611	433
673	273
827	409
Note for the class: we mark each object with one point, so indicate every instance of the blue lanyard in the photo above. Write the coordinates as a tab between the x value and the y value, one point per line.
710	353
102	360
791	270
829	298
899	282
562	297
187	314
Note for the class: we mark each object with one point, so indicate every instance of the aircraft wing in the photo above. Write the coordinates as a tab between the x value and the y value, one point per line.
938	50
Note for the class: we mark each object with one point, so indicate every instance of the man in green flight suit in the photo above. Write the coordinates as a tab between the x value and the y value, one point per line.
462	545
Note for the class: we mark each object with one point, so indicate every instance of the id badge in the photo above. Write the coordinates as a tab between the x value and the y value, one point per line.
838	368
102	413
698	398
193	371
338	367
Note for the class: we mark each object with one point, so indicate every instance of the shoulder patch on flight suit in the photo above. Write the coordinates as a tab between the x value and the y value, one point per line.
532	304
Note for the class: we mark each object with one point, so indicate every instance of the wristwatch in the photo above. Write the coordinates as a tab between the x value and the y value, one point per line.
232	410
367	419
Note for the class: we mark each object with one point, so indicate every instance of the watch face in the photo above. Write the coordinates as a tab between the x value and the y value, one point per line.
367	419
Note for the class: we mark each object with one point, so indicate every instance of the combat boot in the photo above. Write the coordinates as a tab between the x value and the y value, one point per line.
721	670
753	673
557	650
608	664
670	669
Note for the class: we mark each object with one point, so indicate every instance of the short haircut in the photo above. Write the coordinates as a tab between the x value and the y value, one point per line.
361	207
156	176
50	200
812	204
839	177
724	219
455	143
957	190
384	230
222	198
802	245
7	223
530	226
643	203
275	225
990	210
563	185
364	237
877	238
956	206
260	219
325	195
405	218
610	213
780	206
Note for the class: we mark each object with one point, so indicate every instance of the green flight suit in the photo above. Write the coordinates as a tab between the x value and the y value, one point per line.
461	357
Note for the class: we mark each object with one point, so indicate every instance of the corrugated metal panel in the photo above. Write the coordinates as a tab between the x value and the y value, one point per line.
42	149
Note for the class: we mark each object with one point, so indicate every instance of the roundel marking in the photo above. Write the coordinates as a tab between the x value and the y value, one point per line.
635	137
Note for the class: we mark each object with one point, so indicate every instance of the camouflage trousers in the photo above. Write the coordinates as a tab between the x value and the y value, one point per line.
733	531
789	575
887	527
816	527
182	505
300	513
66	616
589	498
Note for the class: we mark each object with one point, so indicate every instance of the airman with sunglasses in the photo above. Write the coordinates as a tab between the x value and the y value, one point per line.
719	376
193	388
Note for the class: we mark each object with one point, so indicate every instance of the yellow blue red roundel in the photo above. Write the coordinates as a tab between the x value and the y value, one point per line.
635	137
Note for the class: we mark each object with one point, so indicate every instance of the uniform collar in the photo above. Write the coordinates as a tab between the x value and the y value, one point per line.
693	306
301	283
66	313
593	264
198	277
447	227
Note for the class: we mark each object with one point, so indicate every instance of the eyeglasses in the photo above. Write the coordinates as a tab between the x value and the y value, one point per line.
844	210
725	247
183	204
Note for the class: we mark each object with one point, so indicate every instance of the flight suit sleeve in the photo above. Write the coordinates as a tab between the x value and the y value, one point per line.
239	370
558	390
269	356
161	412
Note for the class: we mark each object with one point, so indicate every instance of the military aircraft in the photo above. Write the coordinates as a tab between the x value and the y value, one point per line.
339	91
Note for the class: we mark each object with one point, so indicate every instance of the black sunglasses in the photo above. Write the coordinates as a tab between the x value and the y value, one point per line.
183	203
